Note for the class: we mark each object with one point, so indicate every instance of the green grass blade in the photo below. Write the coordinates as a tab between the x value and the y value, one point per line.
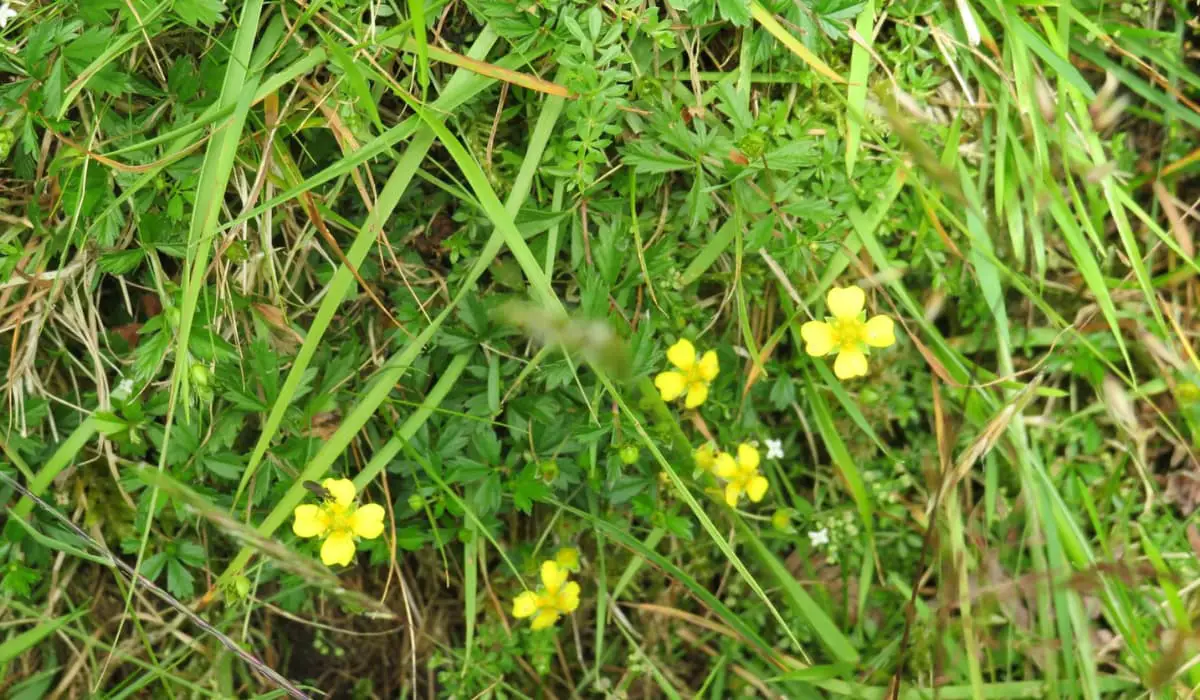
19	644
343	280
798	599
856	90
62	458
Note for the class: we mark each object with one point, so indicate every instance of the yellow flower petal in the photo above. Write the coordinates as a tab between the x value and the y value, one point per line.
850	364
756	488
342	489
546	618
845	302
732	493
724	466
682	354
705	458
747	457
670	385
367	521
697	394
525	605
553	577
338	548
568	599
709	366
310	521
881	332
567	558
818	338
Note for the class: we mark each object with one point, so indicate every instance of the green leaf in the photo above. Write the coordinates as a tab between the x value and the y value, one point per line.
646	157
799	601
180	581
120	262
19	580
53	90
18	645
528	488
736	11
200	12
109	423
486	498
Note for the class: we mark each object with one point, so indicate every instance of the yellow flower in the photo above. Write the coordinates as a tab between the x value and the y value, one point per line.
741	475
556	597
695	374
567	558
847	332
705	457
339	521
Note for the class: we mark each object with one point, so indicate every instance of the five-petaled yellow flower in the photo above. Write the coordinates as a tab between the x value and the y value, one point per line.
695	373
339	521
847	332
741	475
555	598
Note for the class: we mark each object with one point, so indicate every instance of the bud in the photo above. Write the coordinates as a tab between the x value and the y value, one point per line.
237	252
201	377
416	502
781	520
548	470
7	140
629	454
567	558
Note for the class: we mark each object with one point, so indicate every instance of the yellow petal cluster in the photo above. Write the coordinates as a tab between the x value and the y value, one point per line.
741	475
695	373
339	521
556	597
847	332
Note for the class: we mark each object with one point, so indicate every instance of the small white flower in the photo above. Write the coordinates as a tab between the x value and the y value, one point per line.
774	449
123	390
819	537
6	13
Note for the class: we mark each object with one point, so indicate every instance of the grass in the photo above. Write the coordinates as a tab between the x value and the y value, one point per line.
440	249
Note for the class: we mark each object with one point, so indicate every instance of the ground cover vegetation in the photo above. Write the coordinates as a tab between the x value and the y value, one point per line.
599	348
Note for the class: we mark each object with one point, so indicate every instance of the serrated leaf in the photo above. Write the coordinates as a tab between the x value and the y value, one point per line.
225	465
410	538
109	423
53	91
179	580
153	565
111	80
736	11
19	580
120	262
486	498
200	12
649	158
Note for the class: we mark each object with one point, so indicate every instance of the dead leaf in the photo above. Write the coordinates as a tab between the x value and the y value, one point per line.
1193	536
129	332
323	425
1183	490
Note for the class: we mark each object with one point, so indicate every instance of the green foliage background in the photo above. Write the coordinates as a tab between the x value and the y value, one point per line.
440	249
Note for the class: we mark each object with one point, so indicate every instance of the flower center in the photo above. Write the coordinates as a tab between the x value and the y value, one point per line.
848	333
339	518
552	601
